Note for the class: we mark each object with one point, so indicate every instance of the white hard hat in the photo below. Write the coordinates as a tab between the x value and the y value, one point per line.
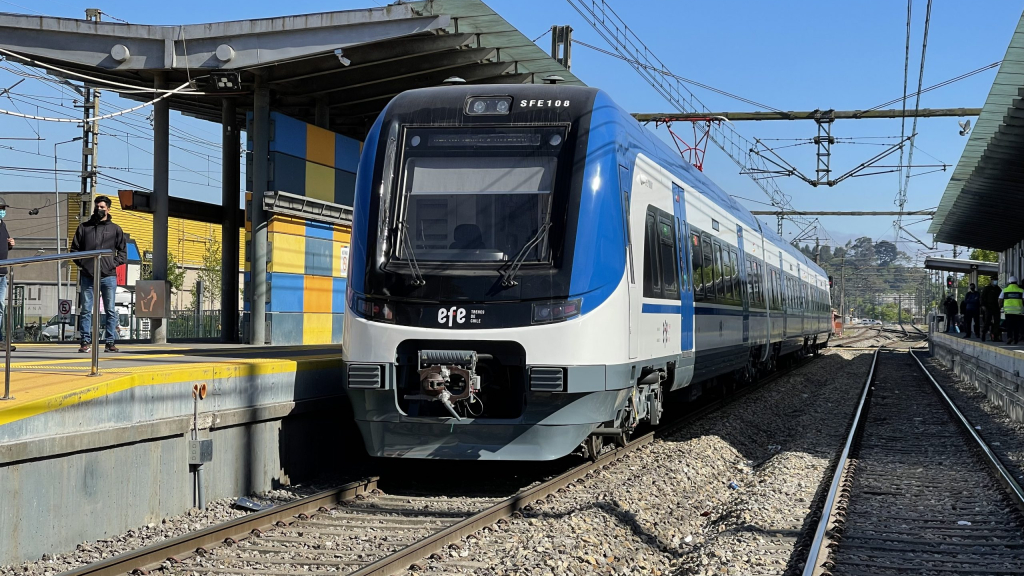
1012	279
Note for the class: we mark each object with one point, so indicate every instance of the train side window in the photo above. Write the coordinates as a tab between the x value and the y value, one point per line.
709	268
727	273
652	274
697	261
719	272
737	283
668	260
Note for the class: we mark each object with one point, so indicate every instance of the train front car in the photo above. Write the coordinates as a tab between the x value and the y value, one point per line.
486	308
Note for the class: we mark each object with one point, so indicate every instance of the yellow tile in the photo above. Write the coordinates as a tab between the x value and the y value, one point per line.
319	182
289	253
320	145
287	225
342	234
317	294
316	328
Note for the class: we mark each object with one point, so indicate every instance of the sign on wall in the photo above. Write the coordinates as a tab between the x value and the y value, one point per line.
152	299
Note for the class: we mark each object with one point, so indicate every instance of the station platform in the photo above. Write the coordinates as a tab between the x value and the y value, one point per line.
115	447
994	368
48	377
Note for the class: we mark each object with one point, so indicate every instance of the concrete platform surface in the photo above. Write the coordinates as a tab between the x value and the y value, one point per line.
114	448
46	377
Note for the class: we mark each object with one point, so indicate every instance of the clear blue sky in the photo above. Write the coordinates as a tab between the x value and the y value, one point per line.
794	55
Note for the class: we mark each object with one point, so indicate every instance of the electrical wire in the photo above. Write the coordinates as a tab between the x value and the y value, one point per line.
97	118
680	78
939	85
917	106
130	88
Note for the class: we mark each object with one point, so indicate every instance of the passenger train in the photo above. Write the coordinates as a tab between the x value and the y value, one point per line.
532	270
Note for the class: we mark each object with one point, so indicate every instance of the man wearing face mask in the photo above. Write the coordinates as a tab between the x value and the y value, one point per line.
6	243
99	233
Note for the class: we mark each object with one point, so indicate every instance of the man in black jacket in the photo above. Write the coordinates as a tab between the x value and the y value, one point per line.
99	233
6	243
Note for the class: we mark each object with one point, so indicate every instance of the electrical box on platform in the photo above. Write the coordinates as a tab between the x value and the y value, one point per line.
200	452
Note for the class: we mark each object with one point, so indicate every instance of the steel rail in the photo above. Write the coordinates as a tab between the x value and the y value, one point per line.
405	558
176	549
818	552
991	458
148	558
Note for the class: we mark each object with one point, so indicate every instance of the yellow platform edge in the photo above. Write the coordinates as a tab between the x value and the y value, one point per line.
164	374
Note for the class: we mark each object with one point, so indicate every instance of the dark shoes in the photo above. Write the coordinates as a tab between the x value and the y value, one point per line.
110	347
84	348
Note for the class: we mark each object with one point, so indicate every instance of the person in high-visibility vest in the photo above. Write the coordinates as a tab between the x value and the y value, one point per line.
1012	299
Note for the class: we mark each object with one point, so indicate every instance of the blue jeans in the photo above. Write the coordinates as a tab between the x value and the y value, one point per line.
3	305
108	286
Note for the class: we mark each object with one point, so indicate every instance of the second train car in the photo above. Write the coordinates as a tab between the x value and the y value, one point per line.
531	269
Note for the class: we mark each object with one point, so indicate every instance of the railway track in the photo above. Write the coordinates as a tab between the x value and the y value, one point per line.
916	490
360	531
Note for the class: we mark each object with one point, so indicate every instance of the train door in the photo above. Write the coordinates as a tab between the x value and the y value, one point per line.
626	184
686	321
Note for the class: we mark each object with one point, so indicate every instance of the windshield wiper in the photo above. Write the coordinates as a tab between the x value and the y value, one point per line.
414	266
509	278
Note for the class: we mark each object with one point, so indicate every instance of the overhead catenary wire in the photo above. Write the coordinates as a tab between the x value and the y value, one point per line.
677	77
917	106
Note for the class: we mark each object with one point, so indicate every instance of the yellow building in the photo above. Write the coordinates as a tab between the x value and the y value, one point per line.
187	240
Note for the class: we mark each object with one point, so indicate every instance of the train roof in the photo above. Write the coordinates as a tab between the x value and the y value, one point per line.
446	96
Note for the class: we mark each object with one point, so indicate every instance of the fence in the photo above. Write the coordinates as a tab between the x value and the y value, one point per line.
190	325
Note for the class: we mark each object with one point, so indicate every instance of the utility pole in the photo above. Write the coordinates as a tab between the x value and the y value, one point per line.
817	251
842	291
90	142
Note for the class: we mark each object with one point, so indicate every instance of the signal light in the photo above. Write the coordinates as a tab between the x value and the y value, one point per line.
949	282
830	282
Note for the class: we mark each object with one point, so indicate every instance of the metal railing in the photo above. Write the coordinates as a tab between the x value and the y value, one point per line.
11	263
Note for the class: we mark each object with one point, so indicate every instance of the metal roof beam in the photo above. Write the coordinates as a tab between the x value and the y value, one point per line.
253	42
345	80
394	86
380	53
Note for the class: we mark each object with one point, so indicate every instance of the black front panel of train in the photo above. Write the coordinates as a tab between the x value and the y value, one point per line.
475	198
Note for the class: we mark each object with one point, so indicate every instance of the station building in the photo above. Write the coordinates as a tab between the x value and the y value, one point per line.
980	208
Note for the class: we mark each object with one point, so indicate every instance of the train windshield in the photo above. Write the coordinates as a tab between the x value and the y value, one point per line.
482	195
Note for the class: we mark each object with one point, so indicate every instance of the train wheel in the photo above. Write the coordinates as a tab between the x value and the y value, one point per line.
623	439
593	444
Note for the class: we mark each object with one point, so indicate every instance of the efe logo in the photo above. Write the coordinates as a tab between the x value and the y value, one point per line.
451	316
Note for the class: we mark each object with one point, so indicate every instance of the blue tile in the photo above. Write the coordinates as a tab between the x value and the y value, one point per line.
286	292
318	257
288	174
319	230
344	188
337	327
338	295
285	328
346	153
289	135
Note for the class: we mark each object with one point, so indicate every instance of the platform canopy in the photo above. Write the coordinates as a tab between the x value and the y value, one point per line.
981	206
962	266
347	64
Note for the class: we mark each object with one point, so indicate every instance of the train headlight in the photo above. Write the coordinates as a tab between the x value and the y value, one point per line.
379	311
556	311
489	106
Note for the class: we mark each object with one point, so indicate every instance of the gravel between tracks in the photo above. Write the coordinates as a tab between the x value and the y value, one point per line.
669	508
217	511
1003	435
